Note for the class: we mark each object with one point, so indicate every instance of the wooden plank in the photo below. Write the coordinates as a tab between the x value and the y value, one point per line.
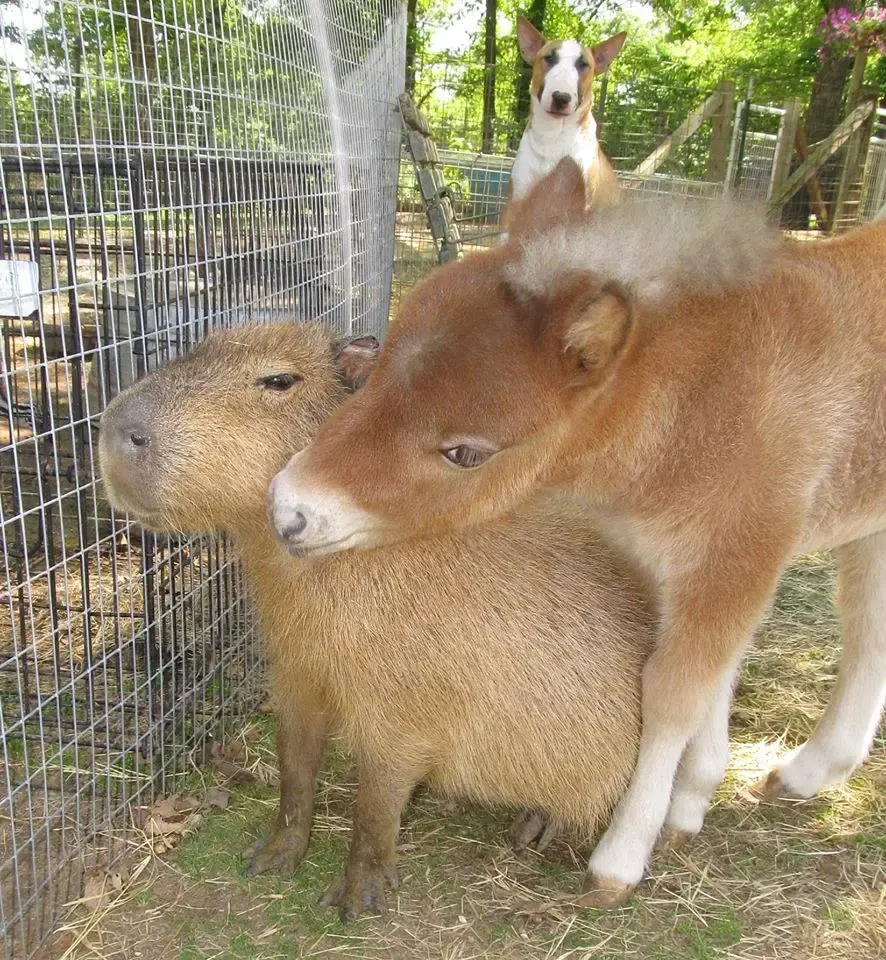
718	157
692	122
819	156
848	196
816	197
784	146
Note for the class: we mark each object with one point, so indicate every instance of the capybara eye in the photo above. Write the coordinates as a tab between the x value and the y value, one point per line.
466	457
279	382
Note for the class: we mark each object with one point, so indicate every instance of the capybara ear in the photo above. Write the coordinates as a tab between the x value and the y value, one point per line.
604	53
559	198
354	359
530	39
594	341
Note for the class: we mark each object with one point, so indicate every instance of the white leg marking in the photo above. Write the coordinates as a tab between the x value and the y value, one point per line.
845	732
703	765
623	850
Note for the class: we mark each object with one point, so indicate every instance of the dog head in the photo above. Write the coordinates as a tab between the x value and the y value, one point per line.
563	71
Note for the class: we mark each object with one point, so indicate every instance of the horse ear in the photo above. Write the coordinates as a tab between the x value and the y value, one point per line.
530	39
604	53
354	359
594	340
558	198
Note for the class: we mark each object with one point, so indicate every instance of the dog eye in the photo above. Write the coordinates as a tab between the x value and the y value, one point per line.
551	59
467	457
581	65
279	382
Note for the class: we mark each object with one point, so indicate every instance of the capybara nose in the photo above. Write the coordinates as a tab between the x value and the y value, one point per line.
561	99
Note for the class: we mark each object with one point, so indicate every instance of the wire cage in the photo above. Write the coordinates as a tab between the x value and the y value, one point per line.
165	169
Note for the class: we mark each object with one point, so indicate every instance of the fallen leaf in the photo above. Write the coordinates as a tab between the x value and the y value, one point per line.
225	758
100	887
188	803
231	752
218	797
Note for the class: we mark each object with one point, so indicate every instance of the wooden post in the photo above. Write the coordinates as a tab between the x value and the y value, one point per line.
813	185
852	168
718	157
784	145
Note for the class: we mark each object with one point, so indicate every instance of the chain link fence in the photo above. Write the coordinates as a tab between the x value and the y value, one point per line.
166	167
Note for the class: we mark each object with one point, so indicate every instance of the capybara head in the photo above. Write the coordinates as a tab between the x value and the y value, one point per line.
495	365
244	399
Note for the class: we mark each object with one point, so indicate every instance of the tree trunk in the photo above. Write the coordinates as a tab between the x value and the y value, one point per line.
823	115
536	16
489	77
411	43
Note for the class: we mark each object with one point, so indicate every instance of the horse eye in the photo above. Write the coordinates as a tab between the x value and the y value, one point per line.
466	457
279	382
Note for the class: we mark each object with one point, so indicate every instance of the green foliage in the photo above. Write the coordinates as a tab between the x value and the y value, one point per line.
675	55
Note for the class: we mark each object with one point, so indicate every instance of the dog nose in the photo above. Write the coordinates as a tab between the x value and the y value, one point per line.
561	99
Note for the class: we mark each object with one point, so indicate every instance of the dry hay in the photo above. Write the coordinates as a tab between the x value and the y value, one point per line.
792	881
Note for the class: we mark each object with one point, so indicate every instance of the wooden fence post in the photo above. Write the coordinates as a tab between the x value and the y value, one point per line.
849	185
718	157
784	145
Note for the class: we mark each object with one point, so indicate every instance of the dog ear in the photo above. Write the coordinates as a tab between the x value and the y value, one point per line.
354	358
530	39
558	198
604	53
595	339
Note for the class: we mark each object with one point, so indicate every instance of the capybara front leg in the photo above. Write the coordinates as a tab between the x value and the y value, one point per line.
301	743
383	791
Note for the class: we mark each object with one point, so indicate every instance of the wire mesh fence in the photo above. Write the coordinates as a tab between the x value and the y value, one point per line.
166	167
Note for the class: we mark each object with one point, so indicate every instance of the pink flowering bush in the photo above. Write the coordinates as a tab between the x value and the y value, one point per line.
847	32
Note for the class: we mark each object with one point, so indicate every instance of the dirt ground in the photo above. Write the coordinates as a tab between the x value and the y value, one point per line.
784	880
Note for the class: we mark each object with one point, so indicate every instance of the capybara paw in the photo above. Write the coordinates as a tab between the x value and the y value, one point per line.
281	850
360	890
603	893
671	838
533	828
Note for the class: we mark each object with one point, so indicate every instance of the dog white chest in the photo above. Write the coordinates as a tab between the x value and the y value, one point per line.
545	142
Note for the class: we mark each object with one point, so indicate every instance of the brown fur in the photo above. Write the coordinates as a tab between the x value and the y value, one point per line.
719	424
500	664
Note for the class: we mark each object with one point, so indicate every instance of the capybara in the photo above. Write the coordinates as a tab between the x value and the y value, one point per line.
501	665
717	394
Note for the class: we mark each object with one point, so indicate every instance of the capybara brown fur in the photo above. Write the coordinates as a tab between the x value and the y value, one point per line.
718	396
501	665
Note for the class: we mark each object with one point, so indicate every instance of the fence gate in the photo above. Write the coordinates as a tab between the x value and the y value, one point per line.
165	168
